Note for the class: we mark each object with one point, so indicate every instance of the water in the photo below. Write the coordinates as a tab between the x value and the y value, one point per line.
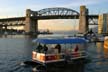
14	50
99	56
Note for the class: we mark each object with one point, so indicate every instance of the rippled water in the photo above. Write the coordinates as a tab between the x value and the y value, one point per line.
99	56
16	49
13	51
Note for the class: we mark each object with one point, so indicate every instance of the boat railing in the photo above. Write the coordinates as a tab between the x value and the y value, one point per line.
76	55
60	56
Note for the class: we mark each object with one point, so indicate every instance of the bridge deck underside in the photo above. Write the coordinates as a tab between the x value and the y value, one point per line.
48	17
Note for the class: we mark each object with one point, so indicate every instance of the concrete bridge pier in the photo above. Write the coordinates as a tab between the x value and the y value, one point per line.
31	25
83	20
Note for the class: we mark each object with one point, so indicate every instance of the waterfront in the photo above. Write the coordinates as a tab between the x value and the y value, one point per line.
16	49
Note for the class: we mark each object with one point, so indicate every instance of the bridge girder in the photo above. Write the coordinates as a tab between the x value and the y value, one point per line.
21	20
12	23
93	21
47	17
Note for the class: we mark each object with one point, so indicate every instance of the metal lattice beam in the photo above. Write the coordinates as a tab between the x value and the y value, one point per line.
93	21
55	11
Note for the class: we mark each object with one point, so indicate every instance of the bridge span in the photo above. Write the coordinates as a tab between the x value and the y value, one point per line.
48	17
30	21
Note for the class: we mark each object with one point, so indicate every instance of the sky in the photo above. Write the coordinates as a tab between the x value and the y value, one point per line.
14	8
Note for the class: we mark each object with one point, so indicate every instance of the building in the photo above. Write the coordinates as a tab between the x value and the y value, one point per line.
103	24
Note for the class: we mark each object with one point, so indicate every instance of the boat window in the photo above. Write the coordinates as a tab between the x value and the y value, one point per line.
38	47
64	47
72	47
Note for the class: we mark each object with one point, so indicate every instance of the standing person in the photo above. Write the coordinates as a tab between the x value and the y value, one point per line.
58	46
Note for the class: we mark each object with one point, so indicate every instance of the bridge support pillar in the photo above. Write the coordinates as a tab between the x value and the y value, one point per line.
83	20
31	25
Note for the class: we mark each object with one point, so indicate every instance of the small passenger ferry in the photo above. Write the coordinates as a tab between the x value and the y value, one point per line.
52	51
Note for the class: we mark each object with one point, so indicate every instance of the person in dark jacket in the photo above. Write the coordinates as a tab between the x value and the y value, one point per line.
45	48
58	46
39	48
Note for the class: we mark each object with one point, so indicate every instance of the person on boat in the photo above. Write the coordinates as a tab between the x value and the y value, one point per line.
58	46
67	56
45	48
39	48
76	48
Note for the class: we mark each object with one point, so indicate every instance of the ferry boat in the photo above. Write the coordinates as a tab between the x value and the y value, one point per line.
52	51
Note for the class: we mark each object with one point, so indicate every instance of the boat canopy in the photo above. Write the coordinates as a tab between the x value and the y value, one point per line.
60	41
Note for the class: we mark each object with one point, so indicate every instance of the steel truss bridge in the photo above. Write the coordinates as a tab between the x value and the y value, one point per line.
30	21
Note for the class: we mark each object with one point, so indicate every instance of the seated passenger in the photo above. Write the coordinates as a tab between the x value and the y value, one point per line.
45	48
58	46
39	48
76	48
